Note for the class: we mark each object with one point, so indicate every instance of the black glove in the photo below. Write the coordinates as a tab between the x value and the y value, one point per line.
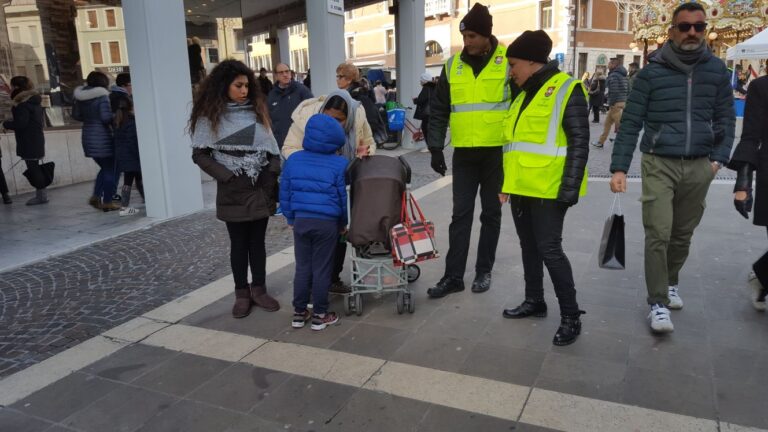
438	161
744	207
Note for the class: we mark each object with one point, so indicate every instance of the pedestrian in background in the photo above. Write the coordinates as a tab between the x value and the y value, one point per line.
359	143
313	197
380	93
3	184
348	78
596	95
618	90
123	89
684	103
472	96
232	143
93	109
634	68
127	155
284	97
544	174
422	102
195	56
752	155
264	82
27	125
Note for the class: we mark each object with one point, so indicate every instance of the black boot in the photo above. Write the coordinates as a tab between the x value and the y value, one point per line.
536	308
482	282
569	330
7	199
447	285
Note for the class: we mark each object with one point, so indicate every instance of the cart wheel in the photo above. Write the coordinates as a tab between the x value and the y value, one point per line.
410	302
413	271
359	304
347	305
400	302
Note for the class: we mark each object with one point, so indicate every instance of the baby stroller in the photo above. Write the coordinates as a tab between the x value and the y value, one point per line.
376	186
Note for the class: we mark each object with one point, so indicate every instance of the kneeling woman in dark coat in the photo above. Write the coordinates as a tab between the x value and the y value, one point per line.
27	125
233	143
751	156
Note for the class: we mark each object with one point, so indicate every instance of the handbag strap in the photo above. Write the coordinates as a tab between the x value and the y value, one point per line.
415	204
404	219
616	204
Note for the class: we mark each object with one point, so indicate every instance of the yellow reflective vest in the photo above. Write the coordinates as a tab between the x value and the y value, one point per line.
534	156
478	105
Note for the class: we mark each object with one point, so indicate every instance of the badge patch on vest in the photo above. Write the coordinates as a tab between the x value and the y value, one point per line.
499	59
549	92
459	68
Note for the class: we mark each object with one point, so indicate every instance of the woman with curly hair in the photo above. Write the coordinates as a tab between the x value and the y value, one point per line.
233	143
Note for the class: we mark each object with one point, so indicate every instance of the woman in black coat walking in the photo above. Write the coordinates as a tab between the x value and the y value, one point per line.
596	94
750	155
27	125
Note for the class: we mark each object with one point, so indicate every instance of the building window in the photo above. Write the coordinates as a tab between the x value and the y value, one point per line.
351	47
213	55
545	14
239	40
350	14
39	73
111	21
583	13
298	29
621	20
582	65
15	34
299	60
22	70
389	37
96	55
93	19
114	53
637	59
432	49
260	38
33	39
620	58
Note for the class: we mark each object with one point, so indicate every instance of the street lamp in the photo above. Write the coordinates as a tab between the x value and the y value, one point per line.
660	40
632	46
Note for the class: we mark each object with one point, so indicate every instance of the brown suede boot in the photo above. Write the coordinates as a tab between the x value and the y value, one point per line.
242	305
262	299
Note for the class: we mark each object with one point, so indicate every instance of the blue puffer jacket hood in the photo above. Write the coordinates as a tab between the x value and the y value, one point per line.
323	134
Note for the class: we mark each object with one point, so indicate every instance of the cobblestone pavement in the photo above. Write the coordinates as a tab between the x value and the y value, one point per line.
55	304
52	305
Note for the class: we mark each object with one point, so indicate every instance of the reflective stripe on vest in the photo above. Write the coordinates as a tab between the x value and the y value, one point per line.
478	104
550	147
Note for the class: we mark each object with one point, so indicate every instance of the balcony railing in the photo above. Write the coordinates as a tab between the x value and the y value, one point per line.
437	7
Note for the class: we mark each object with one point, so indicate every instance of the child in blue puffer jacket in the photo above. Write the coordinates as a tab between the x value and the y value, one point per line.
313	198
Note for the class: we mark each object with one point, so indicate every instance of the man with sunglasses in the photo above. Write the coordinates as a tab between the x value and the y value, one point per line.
684	102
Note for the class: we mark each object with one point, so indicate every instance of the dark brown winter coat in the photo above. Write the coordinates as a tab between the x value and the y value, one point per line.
237	198
753	147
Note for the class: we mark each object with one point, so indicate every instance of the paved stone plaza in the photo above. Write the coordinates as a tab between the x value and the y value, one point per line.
455	364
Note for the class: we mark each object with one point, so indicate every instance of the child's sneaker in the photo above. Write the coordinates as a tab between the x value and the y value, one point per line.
300	318
320	322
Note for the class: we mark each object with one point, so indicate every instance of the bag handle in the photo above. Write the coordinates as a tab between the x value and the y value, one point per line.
616	204
415	204
404	218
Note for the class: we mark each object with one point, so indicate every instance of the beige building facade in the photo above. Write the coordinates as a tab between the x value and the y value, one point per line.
101	39
601	32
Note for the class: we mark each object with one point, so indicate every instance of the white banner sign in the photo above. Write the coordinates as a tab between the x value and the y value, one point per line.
336	7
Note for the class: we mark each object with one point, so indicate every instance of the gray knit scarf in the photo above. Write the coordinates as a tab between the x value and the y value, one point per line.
349	151
241	143
681	59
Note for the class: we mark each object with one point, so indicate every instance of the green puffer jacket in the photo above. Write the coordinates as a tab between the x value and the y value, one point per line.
683	115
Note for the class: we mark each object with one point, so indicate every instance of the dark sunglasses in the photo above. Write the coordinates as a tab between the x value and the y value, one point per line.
686	27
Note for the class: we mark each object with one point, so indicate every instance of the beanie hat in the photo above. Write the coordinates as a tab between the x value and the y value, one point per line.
531	45
323	134
478	20
425	77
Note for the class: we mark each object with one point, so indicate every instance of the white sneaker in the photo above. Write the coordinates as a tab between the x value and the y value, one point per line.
660	320
129	211
757	293
675	302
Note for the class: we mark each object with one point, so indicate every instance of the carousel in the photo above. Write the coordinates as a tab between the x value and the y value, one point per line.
729	22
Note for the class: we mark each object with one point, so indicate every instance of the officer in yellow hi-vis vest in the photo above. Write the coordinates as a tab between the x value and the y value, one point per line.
545	159
472	97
